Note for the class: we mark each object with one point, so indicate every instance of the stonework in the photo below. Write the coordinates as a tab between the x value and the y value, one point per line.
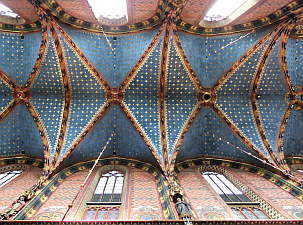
141	199
11	191
145	201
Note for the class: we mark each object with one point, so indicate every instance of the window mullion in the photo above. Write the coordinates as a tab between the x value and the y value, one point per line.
97	210
219	187
240	209
4	178
229	188
252	211
107	214
260	210
7	178
111	197
107	178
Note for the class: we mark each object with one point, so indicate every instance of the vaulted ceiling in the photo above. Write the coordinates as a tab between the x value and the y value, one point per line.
160	89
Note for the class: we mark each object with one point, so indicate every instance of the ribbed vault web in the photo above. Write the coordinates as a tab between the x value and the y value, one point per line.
47	95
141	96
233	98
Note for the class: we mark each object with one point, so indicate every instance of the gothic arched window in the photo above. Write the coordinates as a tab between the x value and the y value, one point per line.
106	200
7	176
109	188
239	203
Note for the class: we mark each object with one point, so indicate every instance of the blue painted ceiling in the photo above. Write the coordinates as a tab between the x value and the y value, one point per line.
149	91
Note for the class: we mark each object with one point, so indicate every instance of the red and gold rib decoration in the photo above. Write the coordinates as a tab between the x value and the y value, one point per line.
67	92
285	36
254	90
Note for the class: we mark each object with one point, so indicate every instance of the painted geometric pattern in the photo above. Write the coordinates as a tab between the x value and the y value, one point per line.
87	95
30	54
17	58
128	49
5	95
181	96
209	68
293	140
11	56
141	96
47	95
272	89
26	135
96	49
294	57
126	136
200	141
233	98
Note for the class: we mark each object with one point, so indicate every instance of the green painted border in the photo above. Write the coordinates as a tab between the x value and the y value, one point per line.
295	33
287	184
25	28
50	186
22	160
294	160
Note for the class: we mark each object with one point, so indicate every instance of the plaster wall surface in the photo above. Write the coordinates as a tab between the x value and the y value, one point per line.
10	192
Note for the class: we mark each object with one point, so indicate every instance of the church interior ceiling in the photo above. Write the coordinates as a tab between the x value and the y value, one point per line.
160	89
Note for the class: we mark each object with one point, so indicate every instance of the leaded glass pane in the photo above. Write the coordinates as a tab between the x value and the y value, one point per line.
101	185
106	197
116	198
90	214
8	176
259	213
230	185
231	194
102	214
248	213
109	187
238	213
227	190
113	214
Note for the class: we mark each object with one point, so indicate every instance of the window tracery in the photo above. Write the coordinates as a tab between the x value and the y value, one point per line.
109	187
106	200
228	191
102	213
245	209
249	213
245	203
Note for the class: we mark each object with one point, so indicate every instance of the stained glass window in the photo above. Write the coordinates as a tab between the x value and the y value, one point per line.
8	176
240	204
102	213
249	213
109	188
227	190
108	192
